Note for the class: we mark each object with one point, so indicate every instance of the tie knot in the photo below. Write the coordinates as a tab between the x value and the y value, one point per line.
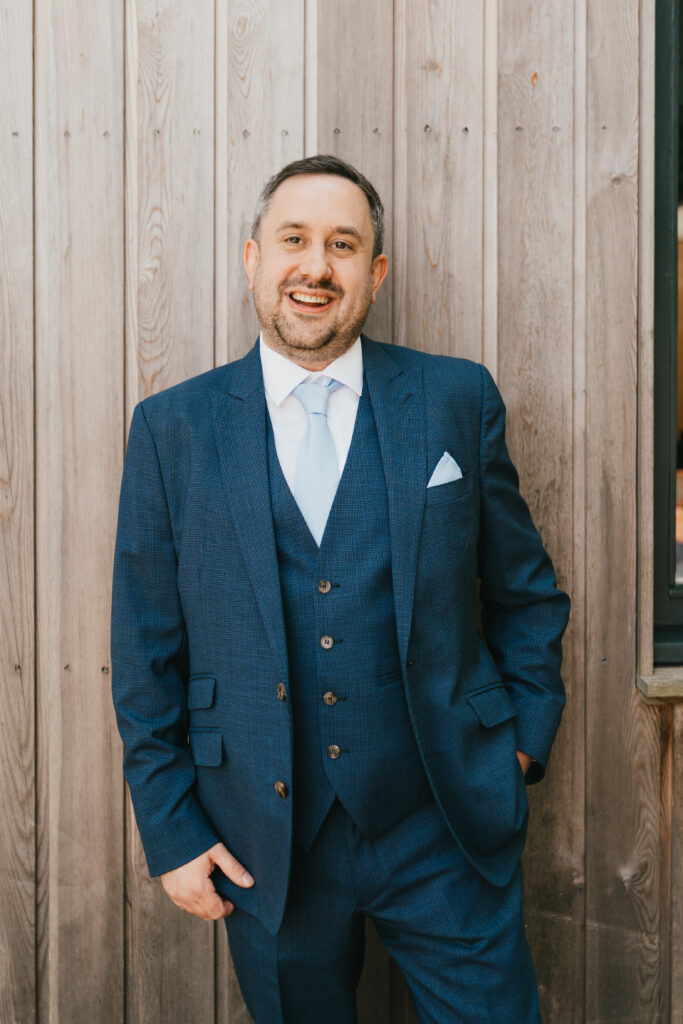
314	396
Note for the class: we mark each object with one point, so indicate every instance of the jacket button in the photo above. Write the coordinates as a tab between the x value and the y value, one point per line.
281	692
324	586
330	698
326	642
281	789
333	751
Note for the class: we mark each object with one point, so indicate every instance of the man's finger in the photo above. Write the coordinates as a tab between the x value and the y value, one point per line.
212	908
230	866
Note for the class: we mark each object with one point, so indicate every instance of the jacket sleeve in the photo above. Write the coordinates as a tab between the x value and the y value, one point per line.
524	614
150	665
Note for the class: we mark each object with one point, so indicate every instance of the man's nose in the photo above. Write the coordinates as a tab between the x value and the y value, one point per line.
314	263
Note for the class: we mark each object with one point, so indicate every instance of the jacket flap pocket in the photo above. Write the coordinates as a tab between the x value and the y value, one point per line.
207	747
492	706
200	691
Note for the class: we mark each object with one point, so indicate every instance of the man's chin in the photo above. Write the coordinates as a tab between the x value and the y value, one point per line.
303	342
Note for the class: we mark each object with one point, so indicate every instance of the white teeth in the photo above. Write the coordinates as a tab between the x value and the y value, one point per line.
314	300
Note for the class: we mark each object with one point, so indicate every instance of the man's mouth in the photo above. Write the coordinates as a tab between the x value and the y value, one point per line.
311	303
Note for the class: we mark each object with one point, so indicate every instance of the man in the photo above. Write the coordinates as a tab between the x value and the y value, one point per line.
315	728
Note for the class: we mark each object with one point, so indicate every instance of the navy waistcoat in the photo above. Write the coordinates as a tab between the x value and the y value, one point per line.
352	733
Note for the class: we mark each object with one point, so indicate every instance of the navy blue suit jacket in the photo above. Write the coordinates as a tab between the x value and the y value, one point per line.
198	638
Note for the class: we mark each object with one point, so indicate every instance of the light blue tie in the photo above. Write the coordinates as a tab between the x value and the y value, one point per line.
316	476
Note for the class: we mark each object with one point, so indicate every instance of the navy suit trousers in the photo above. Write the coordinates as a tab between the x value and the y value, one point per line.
458	940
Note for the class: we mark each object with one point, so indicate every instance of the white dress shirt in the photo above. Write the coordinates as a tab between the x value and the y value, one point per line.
287	414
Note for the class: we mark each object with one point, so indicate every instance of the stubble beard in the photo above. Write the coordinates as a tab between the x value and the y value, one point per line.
321	347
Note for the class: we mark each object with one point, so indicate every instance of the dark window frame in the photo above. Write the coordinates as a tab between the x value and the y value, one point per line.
668	597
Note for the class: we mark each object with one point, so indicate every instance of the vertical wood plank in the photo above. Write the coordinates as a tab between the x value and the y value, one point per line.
355	122
438	189
623	955
17	664
576	640
265	131
169	337
79	426
535	373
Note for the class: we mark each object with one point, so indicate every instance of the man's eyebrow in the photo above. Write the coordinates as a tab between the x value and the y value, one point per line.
341	229
289	224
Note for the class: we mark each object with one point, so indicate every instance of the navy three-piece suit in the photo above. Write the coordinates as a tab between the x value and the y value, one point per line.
278	697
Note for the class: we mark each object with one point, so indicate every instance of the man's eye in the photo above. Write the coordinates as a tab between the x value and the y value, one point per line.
293	239
341	245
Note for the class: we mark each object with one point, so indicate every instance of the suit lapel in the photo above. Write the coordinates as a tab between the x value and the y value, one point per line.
239	419
397	398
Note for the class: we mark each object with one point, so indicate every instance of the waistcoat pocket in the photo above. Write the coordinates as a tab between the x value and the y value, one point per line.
200	691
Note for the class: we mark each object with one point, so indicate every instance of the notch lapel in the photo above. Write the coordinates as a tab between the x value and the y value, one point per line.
239	420
397	398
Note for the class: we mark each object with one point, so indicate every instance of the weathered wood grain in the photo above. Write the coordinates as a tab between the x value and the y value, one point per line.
79	223
265	131
623	956
169	337
536	287
17	663
438	188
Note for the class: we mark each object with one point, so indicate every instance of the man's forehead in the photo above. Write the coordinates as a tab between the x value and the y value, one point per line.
307	198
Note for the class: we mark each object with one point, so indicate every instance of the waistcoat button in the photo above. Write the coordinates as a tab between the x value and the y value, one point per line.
324	586
326	642
333	751
281	789
281	692
330	698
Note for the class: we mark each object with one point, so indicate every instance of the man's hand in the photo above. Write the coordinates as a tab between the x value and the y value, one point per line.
191	888
524	760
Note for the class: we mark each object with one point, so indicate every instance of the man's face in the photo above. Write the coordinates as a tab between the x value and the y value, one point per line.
312	272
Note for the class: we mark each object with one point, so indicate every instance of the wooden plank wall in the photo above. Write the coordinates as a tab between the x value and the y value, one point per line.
17	503
505	140
79	230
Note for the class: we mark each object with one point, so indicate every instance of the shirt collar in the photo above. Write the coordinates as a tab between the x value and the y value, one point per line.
281	375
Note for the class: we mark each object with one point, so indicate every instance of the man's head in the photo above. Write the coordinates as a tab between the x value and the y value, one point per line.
315	261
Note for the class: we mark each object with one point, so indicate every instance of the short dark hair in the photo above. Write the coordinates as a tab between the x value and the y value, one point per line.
324	163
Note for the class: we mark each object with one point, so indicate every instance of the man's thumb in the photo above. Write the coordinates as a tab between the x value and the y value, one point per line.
230	866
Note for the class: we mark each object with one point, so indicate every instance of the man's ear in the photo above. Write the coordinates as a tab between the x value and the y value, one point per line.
378	271
251	258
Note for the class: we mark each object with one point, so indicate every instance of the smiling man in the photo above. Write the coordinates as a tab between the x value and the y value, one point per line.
315	728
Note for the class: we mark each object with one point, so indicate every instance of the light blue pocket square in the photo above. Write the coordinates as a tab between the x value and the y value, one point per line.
447	469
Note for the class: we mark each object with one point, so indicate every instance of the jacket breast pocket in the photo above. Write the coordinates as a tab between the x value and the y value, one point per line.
206	746
454	490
